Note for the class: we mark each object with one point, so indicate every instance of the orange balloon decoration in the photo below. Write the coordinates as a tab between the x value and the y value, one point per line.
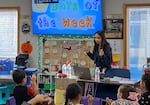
26	47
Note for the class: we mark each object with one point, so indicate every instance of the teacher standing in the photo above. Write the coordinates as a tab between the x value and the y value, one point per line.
102	53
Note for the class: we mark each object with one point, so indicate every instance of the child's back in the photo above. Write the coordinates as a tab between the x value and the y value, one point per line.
20	94
123	102
126	96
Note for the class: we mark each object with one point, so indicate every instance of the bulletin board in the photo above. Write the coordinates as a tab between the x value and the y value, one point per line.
54	52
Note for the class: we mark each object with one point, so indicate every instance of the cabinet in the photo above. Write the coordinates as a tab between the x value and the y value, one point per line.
46	83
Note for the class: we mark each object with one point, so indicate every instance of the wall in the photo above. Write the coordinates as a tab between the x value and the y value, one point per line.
24	4
116	7
109	7
25	9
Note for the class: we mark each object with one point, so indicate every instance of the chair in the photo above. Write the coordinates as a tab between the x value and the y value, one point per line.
119	72
9	87
2	99
96	101
11	101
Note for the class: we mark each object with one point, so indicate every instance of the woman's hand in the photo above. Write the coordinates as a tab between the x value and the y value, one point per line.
85	49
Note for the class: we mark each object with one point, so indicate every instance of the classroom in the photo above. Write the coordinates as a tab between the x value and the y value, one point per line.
75	52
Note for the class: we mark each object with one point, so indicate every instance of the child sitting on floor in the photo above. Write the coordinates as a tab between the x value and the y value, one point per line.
126	96
21	92
74	95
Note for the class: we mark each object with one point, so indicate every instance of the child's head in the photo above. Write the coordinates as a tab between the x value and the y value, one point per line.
19	77
124	91
145	82
73	92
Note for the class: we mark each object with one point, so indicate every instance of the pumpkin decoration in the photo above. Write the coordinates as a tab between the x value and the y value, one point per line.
26	47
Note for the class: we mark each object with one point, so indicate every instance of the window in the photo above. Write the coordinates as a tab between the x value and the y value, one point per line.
9	32
137	40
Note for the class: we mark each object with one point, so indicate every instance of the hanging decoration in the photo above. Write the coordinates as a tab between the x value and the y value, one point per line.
26	47
25	28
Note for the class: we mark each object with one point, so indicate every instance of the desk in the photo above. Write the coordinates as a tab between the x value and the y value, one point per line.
103	89
129	82
106	89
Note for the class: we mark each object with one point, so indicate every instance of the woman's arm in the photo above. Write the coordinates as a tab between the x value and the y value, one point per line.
86	50
91	55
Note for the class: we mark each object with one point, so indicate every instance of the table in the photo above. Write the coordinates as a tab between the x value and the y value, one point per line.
105	89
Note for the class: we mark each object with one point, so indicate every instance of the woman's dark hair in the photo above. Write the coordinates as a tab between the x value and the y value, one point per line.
125	90
146	80
72	91
104	41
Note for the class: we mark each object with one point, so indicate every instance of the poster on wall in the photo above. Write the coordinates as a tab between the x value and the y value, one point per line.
67	17
113	28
